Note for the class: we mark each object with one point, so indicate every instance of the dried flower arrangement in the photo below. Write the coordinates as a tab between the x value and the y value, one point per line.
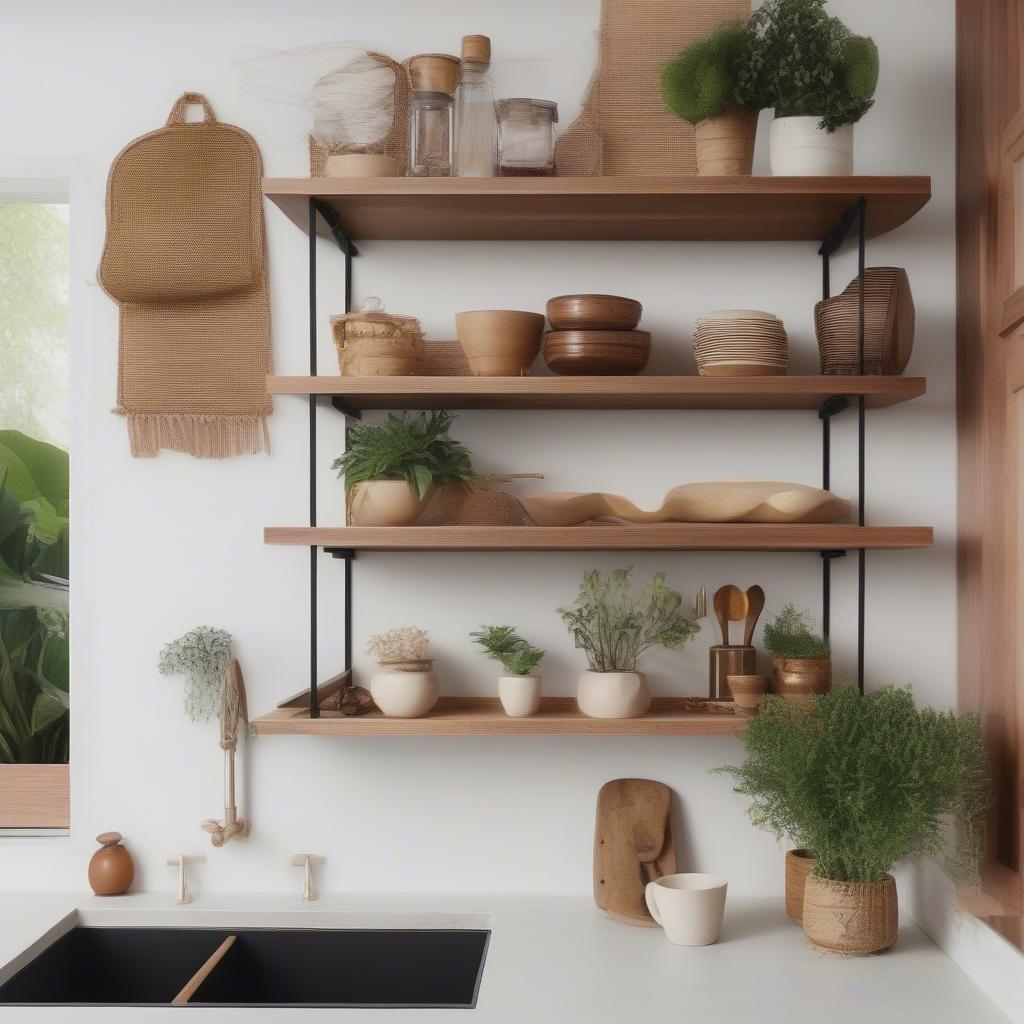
403	644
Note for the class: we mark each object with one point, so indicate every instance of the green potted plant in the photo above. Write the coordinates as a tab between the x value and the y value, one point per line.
615	629
819	77
405	684
867	782
391	468
801	658
700	86
519	688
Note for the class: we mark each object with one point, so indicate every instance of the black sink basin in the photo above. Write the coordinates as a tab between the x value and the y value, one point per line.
263	967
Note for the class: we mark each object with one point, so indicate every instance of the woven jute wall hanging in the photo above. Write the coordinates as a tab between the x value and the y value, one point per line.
185	259
623	127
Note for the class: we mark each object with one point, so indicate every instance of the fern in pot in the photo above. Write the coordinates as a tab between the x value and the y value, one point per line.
393	467
819	77
519	688
615	629
700	86
801	658
868	782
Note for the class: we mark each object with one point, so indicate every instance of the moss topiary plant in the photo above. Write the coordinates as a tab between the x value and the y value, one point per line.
789	635
701	82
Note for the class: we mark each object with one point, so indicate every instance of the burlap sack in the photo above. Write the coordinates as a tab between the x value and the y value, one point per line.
185	260
624	129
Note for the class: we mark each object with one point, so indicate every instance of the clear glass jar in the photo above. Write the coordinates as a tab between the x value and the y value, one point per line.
526	137
430	135
476	123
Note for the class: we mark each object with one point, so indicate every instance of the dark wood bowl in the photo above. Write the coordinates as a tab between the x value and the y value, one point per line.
593	313
597	353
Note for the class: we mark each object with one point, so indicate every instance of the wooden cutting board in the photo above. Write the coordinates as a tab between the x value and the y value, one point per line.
634	844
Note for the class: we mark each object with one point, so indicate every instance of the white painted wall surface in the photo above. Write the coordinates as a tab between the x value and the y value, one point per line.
176	542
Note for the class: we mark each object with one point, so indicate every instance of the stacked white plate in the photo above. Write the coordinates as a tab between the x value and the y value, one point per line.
740	343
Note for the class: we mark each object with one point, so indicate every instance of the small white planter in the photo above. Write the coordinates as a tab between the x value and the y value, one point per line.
799	148
520	695
613	694
407	689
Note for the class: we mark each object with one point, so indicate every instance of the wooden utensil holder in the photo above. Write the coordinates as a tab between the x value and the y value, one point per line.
729	660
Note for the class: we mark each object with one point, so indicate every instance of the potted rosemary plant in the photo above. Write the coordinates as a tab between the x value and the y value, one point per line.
867	782
700	86
519	689
391	468
819	77
801	658
615	629
405	685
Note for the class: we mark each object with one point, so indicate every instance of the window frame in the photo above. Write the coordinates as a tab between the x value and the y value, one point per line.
36	799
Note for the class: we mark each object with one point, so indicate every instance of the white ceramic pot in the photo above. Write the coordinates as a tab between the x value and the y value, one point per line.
385	503
799	148
520	695
613	694
690	907
407	689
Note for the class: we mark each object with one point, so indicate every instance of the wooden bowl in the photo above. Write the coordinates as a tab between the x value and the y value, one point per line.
597	353
499	342
593	313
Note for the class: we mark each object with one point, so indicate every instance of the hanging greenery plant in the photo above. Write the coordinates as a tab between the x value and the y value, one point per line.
202	657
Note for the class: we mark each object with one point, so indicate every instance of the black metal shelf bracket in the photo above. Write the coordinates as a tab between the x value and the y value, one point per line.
856	214
349	251
346	410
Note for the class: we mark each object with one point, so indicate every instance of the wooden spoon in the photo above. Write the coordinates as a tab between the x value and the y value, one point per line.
755	605
730	606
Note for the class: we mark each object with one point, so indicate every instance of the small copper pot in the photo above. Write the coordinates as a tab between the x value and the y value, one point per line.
111	870
799	679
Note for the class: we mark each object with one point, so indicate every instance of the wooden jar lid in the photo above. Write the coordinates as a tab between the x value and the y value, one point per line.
476	48
109	838
435	72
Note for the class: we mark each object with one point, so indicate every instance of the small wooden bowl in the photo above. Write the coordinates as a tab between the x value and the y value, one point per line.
597	353
593	313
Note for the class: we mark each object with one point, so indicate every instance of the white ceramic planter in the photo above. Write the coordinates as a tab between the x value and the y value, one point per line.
799	148
385	503
406	689
520	695
613	694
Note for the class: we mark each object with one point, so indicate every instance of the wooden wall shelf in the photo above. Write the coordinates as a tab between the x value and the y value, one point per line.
660	537
464	716
677	392
599	209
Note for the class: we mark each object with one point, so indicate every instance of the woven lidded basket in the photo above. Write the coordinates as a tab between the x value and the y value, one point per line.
372	343
888	324
850	918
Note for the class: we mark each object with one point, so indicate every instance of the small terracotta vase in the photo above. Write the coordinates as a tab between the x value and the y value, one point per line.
747	691
111	869
799	864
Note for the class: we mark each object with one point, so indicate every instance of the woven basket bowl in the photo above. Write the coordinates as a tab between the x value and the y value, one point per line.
888	325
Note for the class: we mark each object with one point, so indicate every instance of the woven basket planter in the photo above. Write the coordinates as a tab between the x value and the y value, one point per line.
725	143
850	918
799	864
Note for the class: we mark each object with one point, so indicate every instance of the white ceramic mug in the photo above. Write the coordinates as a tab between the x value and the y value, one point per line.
689	907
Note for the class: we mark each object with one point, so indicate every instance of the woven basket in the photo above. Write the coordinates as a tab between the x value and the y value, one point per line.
850	918
888	324
480	503
372	343
443	359
799	864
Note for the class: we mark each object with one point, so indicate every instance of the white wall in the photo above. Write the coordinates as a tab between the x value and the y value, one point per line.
177	542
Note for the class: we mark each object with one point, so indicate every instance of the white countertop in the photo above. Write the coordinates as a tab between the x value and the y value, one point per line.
555	959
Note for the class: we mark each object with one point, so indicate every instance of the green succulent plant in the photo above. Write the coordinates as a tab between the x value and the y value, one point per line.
418	449
701	81
804	62
790	635
867	781
504	644
615	629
